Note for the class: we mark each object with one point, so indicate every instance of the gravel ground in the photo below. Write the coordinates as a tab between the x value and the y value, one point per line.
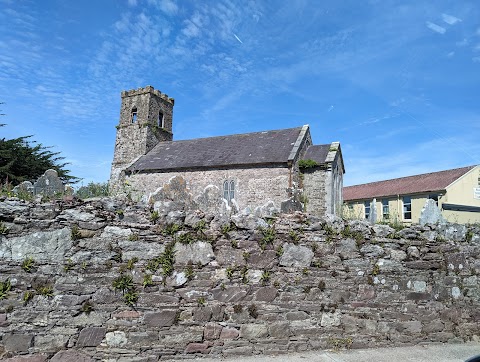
419	353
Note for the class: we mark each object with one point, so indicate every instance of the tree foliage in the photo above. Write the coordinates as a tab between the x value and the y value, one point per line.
22	159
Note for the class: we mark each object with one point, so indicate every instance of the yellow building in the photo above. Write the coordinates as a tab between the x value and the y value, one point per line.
457	193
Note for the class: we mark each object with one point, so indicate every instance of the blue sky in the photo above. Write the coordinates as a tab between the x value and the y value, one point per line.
396	82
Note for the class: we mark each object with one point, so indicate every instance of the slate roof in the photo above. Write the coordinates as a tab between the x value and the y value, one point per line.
433	181
269	148
317	153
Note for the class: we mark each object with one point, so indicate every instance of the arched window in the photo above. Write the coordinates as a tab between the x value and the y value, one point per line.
134	115
229	190
160	120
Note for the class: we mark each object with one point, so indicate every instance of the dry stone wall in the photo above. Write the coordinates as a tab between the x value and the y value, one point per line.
112	281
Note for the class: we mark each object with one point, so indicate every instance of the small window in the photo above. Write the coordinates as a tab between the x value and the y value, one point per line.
134	115
385	209
160	120
367	209
407	208
229	190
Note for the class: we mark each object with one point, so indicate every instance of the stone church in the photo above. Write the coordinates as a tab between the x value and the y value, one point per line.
260	172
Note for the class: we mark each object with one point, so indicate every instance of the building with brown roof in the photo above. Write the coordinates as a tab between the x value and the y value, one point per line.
456	191
256	172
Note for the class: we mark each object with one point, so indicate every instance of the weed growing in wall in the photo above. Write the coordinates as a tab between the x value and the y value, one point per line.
201	301
28	264
252	311
186	238
147	280
27	296
124	283
44	289
5	288
87	307
133	237
268	237
339	343
265	278
189	272
68	266
75	233
171	229
306	164
3	229
229	272
154	216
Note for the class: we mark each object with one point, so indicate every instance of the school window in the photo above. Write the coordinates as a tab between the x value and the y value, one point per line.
133	116
385	209
407	207
367	209
229	190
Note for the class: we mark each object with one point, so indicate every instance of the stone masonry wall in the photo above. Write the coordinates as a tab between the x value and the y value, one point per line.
251	184
314	184
105	280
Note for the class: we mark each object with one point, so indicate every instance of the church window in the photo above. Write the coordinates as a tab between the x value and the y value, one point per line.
134	115
160	120
229	190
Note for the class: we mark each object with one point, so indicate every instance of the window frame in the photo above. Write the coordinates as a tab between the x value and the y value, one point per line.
367	206
407	205
385	209
134	115
229	190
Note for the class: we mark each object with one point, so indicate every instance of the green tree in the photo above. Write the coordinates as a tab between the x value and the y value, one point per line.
24	160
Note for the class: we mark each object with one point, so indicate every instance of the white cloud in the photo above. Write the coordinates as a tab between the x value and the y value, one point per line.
449	19
435	27
132	3
167	6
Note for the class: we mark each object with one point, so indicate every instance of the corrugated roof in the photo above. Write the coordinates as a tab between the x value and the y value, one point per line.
269	147
433	181
317	153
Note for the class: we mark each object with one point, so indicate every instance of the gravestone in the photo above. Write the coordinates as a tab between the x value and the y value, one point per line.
25	187
372	217
49	184
431	214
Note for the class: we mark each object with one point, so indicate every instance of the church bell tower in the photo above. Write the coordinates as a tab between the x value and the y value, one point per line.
145	120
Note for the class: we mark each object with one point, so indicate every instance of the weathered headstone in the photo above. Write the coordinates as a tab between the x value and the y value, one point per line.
372	217
49	184
431	214
25	187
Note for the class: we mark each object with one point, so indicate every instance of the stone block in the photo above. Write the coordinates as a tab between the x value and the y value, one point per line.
202	314
3	319
30	358
43	246
296	256
71	356
253	331
165	318
17	342
296	316
212	331
230	294
263	260
198	252
198	348
116	339
91	336
279	330
266	294
229	333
